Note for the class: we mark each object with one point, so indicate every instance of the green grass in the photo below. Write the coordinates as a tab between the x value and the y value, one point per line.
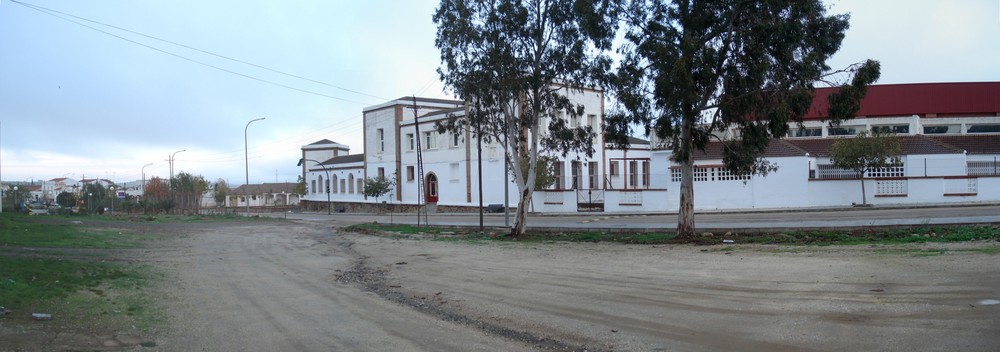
23	231
941	234
81	286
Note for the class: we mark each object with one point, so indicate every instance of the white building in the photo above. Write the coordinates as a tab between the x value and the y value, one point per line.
950	134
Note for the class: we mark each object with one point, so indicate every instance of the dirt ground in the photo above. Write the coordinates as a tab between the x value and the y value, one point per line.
307	286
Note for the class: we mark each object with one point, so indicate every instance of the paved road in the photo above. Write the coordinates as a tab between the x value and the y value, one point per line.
763	220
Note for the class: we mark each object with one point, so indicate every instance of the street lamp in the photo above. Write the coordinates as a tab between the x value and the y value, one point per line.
113	197
90	208
17	209
246	151
171	160
328	203
143	191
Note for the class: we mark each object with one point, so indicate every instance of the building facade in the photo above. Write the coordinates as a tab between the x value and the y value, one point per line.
950	134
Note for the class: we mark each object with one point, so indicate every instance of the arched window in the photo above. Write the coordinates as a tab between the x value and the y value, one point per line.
313	186
350	182
320	183
334	183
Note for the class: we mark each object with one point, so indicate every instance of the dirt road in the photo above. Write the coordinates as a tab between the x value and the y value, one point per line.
268	287
305	286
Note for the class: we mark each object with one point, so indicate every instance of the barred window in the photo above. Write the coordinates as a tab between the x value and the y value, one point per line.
700	174
892	171
722	174
675	175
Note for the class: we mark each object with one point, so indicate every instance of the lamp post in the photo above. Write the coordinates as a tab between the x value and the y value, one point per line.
17	209
113	197
171	160
326	189
246	152
143	191
89	206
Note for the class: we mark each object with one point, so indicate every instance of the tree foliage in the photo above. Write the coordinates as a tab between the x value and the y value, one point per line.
300	186
866	152
378	186
94	195
156	196
66	199
513	62
221	191
692	70
187	189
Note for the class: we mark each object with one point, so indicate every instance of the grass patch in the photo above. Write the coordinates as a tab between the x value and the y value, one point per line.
71	283
943	234
18	230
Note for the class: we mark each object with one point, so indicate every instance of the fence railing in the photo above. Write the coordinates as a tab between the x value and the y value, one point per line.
983	168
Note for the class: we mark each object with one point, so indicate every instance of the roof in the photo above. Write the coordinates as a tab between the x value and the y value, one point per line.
441	103
923	99
321	142
345	159
820	147
972	144
285	187
776	148
910	145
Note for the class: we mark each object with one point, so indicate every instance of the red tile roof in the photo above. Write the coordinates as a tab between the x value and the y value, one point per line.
923	99
973	144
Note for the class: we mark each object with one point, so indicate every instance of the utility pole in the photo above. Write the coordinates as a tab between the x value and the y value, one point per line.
420	164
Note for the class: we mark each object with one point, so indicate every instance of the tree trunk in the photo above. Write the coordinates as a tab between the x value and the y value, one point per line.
522	214
685	215
864	197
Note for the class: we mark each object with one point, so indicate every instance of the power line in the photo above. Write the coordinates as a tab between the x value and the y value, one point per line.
60	15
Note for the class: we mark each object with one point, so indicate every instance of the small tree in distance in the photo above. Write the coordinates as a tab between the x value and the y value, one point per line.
866	152
376	187
221	189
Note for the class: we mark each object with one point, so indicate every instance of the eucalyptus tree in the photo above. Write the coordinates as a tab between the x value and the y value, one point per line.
693	70
514	62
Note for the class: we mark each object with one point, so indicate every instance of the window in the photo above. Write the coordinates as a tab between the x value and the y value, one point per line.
334	177
574	121
321	184
577	174
984	128
941	129
675	175
700	174
431	139
645	173
350	182
614	168
592	170
410	141
454	171
806	132
410	175
361	186
592	122
380	140
342	187
313	186
892	171
633	173
557	170
897	129
842	131
455	139
381	172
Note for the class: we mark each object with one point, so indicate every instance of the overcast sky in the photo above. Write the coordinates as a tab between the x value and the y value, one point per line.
78	102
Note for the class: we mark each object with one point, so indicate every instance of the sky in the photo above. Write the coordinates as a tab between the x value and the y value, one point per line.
132	82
